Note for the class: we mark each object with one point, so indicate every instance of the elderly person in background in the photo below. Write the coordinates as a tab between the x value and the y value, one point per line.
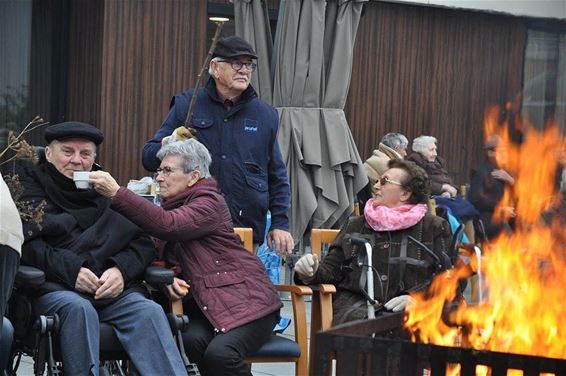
488	184
424	155
391	146
94	261
233	306
240	131
409	244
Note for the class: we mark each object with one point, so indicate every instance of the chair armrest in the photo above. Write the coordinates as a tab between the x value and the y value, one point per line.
156	276
294	289
321	310
29	276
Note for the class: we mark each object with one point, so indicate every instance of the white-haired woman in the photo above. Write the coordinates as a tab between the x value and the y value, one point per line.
424	155
233	305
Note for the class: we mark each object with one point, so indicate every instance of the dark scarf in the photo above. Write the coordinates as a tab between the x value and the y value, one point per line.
85	205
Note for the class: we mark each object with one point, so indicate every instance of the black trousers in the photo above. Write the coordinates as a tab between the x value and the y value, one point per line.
223	353
9	261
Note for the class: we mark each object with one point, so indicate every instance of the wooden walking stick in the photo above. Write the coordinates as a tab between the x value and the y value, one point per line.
185	129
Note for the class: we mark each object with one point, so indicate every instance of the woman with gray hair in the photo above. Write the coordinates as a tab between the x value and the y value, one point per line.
424	155
233	305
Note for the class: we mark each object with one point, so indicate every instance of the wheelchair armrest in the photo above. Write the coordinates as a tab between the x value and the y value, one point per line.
28	276
157	276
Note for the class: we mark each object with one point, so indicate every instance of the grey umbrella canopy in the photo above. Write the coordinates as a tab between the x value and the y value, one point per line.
312	65
252	24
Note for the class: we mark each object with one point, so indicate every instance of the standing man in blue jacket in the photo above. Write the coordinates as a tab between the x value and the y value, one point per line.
240	131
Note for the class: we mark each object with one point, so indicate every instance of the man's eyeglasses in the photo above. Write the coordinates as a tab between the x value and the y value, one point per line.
237	64
166	171
384	180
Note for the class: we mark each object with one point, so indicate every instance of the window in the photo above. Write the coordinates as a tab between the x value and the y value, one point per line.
544	85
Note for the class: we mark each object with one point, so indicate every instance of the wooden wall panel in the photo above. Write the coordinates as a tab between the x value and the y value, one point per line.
85	58
432	71
149	51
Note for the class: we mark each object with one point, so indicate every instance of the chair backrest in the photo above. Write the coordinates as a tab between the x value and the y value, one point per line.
321	306
319	237
247	236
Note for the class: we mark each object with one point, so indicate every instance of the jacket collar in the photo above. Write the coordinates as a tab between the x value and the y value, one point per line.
206	184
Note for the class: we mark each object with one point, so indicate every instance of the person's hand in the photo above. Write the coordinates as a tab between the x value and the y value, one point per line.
503	176
399	303
104	183
450	189
179	134
112	284
178	289
282	240
306	266
87	281
507	212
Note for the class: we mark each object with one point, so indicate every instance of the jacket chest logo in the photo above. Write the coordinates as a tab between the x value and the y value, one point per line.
250	125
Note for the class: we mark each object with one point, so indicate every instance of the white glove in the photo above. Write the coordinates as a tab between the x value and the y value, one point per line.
306	266
447	188
398	303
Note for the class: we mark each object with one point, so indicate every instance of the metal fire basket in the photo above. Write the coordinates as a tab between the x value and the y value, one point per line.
379	347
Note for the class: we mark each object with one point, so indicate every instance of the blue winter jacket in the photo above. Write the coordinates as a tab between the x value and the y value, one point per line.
246	160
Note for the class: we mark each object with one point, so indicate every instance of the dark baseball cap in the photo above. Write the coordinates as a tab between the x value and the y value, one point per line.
233	46
73	129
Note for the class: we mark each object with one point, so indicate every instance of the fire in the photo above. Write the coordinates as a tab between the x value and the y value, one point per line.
524	272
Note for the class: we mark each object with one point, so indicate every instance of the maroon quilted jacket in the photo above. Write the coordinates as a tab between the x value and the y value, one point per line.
228	283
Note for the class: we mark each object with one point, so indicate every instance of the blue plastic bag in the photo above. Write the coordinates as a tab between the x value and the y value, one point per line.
271	260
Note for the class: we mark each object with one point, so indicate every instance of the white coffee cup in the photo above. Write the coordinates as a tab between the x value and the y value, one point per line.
81	179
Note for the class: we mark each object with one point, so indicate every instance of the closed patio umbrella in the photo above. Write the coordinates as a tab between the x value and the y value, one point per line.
312	64
252	23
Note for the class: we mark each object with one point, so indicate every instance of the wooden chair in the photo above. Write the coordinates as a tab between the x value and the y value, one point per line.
321	306
280	349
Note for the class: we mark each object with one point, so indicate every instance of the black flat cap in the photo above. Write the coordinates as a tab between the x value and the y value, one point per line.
73	129
233	46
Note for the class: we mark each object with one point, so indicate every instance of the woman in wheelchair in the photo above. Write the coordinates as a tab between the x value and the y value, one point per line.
232	305
409	246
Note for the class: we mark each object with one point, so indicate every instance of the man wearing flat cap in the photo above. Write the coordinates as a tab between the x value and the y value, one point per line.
94	260
240	131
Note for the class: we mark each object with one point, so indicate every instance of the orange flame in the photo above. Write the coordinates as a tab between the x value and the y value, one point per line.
524	273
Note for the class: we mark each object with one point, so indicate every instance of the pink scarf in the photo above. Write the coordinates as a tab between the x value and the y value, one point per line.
382	218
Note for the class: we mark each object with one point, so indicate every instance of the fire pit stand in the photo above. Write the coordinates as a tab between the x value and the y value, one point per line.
387	354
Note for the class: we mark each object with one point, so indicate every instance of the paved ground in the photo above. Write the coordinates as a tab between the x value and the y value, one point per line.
262	369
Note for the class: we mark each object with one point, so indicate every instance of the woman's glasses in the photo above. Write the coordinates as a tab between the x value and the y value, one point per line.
384	180
166	171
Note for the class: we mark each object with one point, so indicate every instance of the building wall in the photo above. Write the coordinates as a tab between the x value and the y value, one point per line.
416	70
128	58
432	71
531	8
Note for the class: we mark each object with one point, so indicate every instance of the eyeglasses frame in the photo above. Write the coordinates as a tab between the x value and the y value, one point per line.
251	66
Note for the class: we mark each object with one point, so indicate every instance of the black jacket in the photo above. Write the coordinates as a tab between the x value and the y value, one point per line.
60	246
